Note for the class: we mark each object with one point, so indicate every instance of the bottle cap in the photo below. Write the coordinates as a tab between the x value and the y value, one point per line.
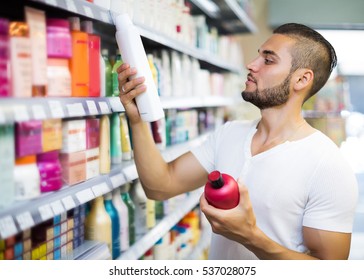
216	179
25	160
58	22
75	23
87	26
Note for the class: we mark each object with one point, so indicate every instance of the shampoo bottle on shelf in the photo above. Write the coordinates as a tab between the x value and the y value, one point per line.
125	138
114	75
4	58
115	140
123	217
133	53
94	52
98	223
115	225
221	190
79	62
108	72
131	212
105	161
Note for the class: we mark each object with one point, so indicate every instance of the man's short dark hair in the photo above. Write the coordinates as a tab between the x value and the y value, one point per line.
311	51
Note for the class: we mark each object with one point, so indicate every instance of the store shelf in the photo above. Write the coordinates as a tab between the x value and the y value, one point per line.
148	240
22	215
227	15
90	250
196	102
79	7
25	109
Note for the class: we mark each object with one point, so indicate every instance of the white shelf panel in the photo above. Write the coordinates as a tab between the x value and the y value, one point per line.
195	102
37	108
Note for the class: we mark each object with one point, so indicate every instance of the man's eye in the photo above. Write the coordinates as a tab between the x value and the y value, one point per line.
267	61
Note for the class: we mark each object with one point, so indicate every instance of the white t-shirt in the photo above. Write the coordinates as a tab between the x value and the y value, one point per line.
299	183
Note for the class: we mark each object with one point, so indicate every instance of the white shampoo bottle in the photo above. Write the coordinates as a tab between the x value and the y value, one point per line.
132	52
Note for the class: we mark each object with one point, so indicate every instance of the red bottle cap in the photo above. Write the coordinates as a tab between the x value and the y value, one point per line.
216	179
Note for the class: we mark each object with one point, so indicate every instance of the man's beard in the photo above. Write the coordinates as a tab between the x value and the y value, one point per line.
269	97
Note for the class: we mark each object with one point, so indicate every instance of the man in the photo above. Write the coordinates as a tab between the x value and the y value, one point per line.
297	193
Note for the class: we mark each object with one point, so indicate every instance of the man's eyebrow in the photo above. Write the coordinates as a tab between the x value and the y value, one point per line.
269	52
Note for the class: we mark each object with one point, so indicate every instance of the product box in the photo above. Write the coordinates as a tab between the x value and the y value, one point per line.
28	138
92	133
73	167
73	136
52	135
92	163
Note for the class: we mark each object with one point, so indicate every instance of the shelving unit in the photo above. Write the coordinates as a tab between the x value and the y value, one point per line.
26	214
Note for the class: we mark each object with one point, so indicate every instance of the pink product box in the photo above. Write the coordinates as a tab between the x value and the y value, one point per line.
92	133
28	138
73	167
50	171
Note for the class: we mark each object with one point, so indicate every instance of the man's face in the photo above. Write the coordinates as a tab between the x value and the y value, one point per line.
268	83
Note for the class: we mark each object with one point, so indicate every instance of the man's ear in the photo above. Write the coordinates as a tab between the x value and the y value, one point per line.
303	79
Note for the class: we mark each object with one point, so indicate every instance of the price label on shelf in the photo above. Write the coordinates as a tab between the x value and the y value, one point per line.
91	105
105	17
38	112
100	189
85	196
68	203
57	207
20	113
117	180
7	227
130	172
88	12
75	110
45	212
71	6
2	117
104	108
56	109
25	220
116	105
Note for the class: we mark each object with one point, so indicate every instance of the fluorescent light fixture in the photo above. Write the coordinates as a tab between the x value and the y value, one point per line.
208	6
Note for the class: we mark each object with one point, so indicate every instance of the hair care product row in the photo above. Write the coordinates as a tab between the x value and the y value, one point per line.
53	239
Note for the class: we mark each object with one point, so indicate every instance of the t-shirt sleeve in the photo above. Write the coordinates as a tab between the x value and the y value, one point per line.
332	196
206	152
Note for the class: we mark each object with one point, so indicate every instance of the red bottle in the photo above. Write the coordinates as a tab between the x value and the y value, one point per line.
221	190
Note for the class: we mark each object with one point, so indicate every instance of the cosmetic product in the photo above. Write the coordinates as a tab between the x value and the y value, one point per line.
73	136
140	201
92	133
107	73
73	167
51	135
131	212
221	190
79	63
36	21
26	177
28	138
125	138
133	53
59	42
7	156
115	141
115	225
50	171
94	52
20	59
114	74
98	223
105	161
58	78
92	163
123	219
4	58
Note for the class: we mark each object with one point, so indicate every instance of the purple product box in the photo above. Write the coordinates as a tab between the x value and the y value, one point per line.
28	138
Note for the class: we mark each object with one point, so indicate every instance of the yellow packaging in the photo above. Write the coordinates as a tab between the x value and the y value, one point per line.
52	135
